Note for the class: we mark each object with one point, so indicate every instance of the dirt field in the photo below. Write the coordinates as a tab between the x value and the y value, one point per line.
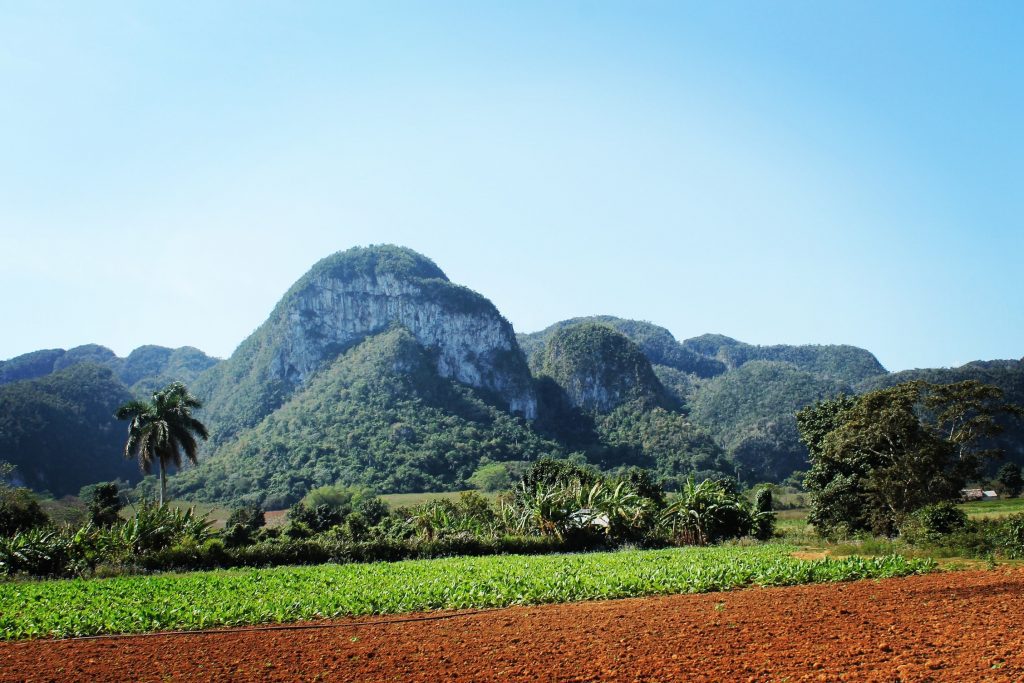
966	626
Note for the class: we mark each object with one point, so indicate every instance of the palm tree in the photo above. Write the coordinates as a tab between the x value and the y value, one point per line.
161	429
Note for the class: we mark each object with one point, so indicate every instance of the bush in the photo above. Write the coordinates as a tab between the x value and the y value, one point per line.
764	514
19	511
104	504
251	517
1010	537
940	519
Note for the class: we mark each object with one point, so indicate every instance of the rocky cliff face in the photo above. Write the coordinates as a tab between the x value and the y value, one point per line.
472	344
349	296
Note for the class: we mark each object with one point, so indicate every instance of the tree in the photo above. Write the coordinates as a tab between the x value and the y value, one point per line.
19	509
162	429
104	504
878	457
1010	477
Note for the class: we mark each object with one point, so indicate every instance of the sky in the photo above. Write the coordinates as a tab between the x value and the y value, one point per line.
779	172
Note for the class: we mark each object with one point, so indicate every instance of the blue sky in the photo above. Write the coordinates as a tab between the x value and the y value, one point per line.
780	172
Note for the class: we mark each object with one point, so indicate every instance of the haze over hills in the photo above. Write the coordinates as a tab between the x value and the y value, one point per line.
375	369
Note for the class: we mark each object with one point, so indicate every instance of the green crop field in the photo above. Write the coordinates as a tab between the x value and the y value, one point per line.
206	599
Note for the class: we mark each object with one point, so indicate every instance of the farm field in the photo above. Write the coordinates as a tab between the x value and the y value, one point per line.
909	629
200	600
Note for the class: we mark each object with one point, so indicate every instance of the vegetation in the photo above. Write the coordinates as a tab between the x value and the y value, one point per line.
877	458
59	431
1010	479
204	600
599	368
558	505
161	429
845	364
378	417
19	510
750	413
145	369
657	343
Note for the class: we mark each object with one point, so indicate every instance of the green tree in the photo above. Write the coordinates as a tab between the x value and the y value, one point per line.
162	429
104	504
877	458
19	510
1010	477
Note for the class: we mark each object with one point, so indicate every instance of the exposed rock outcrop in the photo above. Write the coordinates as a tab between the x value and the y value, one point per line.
349	296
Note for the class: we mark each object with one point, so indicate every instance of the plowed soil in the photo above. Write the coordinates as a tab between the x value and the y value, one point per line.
963	626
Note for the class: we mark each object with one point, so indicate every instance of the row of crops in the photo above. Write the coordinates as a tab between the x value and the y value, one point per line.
283	594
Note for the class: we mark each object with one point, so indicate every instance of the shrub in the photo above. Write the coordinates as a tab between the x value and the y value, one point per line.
105	504
19	511
1010	536
251	517
764	514
940	519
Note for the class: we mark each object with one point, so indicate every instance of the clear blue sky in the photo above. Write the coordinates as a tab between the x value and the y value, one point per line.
780	172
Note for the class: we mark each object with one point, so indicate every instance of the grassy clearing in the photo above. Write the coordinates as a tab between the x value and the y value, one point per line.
993	509
284	594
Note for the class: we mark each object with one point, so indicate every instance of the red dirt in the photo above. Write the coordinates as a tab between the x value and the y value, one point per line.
963	626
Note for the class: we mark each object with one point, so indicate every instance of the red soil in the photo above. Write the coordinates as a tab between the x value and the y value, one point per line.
965	626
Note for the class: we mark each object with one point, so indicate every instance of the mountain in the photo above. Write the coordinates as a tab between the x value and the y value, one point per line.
146	369
380	414
599	368
741	394
59	430
57	408
348	297
750	412
375	369
657	343
847	364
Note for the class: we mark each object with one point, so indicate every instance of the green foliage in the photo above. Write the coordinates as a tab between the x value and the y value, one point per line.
666	442
877	458
749	411
19	509
378	417
161	430
599	368
656	343
1010	478
764	514
234	598
496	476
940	519
844	364
1007	375
706	512
104	504
249	517
59	430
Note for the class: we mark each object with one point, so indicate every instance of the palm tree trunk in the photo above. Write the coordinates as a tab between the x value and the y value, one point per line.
163	483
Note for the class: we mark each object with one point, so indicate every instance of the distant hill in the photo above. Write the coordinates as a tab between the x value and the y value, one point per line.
146	369
59	430
847	364
57	408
